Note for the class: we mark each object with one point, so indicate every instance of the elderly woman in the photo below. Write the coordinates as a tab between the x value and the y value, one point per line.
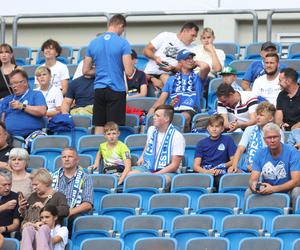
18	162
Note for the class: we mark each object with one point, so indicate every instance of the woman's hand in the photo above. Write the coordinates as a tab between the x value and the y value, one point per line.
38	204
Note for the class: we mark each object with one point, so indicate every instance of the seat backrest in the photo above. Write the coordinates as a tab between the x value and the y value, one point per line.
72	69
296	245
108	181
11	244
144	103
236	136
234	180
243	221
137	140
37	161
121	200
241	65
30	69
205	222
191	139
208	243
132	120
84	161
138	48
218	200
292	63
90	141
154	222
66	55
155	243
23	52
50	141
86	222
255	48
144	180
192	180
84	121
228	48
294	49
291	221
178	121
169	200
105	243
266	243
275	200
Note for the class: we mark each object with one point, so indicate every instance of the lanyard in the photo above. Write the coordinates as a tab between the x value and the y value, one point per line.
22	97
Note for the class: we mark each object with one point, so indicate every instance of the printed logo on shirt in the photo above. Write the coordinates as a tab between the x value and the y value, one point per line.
107	37
221	147
269	171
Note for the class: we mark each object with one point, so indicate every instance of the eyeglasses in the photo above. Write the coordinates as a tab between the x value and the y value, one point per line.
275	137
16	83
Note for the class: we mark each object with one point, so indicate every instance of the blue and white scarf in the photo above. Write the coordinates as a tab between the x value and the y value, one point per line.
77	188
221	167
183	94
156	161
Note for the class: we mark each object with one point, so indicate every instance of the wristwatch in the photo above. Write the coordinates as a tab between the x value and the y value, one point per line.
24	106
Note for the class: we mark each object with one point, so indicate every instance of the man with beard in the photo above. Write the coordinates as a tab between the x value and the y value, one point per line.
267	87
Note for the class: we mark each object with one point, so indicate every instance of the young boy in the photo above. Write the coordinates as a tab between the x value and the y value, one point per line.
115	154
214	154
252	139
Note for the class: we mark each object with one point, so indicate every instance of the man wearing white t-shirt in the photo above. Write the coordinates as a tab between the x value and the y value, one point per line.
164	148
267	87
162	52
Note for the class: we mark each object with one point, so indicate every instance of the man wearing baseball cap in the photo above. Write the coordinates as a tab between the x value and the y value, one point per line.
229	77
256	69
183	90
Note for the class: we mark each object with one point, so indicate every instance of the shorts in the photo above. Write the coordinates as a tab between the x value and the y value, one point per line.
109	106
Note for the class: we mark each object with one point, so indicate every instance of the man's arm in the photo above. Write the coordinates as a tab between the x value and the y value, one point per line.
161	100
12	227
143	92
36	110
173	166
66	105
251	121
254	177
245	85
128	65
88	68
235	160
83	207
64	86
149	51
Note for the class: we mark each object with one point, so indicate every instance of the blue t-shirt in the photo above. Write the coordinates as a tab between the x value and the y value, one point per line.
215	152
19	122
107	52
197	86
81	90
276	171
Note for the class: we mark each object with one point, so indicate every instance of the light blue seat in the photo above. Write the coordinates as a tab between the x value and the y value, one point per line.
253	50
103	243
136	143
125	131
11	244
66	55
23	55
208	243
155	243
36	162
241	66
74	135
296	245
266	243
89	144
85	161
81	53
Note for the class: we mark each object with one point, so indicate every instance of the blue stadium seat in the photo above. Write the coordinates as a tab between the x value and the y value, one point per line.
155	243
142	61
294	51
208	243
136	143
253	50
105	243
23	55
266	243
11	244
89	144
241	66
231	50
36	162
81	53
296	245
66	55
125	131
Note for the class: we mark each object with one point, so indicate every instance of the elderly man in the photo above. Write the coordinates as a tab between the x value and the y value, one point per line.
23	111
278	164
237	107
9	215
164	148
77	186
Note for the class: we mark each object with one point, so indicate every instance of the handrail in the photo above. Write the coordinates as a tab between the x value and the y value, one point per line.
204	12
51	15
2	20
269	19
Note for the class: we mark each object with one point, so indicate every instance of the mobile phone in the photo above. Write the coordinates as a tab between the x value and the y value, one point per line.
21	195
163	64
258	186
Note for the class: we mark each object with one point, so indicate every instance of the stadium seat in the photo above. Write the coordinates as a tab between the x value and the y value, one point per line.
75	134
292	63
11	244
155	243
208	243
241	66
269	206
266	243
23	55
144	103
36	162
89	144
66	55
231	50
136	143
212	89
18	141
133	121
138	48
145	185
82	121
81	53
72	69
30	70
141	62
294	51
102	243
85	161
253	50
296	245
178	121
192	184
236	136
218	205
125	131
200	120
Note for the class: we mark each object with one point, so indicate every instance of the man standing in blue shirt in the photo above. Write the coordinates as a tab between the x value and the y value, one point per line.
111	55
278	164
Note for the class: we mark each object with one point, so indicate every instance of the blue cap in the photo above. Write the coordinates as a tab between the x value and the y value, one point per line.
184	54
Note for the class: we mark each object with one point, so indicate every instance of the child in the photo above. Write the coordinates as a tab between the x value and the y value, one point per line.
213	154
46	234
115	154
252	139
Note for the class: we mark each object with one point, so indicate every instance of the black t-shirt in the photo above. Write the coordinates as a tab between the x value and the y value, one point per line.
134	83
4	153
290	107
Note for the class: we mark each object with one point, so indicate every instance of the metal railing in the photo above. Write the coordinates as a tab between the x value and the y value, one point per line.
269	19
204	12
2	38
51	15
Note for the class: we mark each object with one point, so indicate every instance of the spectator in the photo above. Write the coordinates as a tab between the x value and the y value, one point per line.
287	115
162	52
214	154
110	89
46	233
229	77
184	90
252	139
18	163
137	83
237	108
7	65
80	97
9	216
77	186
114	153
207	53
5	147
294	138
164	148
256	68
59	71
52	94
23	110
277	164
267	86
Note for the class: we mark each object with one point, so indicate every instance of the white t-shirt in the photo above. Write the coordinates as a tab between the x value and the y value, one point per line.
58	230
78	72
267	89
53	97
205	56
167	46
178	142
59	71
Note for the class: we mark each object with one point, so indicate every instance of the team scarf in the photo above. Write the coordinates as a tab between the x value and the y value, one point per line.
156	161
77	188
221	167
183	94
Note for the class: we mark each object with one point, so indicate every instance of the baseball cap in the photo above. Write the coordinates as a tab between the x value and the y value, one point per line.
228	70
133	54
267	45
184	54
